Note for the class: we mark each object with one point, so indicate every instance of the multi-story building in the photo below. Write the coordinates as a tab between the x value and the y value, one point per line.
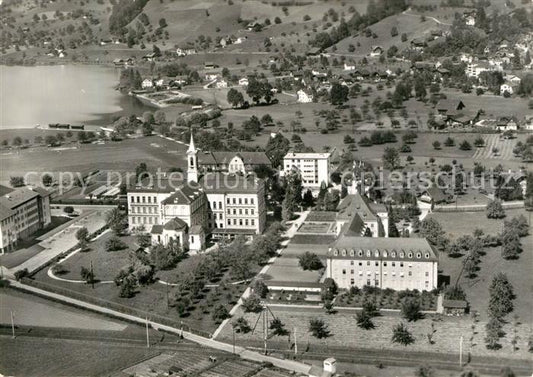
359	216
232	162
312	167
395	263
223	204
23	211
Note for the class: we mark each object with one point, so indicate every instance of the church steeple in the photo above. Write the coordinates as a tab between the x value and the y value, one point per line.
192	162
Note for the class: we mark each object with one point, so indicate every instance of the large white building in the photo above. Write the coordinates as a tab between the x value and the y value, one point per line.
312	167
225	205
395	263
23	211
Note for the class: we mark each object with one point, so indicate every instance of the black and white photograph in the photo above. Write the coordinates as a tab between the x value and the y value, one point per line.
266	188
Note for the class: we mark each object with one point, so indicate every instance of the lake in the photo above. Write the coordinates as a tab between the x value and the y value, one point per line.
75	94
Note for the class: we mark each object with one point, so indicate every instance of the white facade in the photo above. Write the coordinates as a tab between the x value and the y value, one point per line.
313	168
303	96
23	211
222	84
506	88
399	264
349	67
243	81
147	84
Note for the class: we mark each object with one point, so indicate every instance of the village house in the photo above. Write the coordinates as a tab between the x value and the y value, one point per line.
147	83
243	81
304	96
376	51
435	195
184	51
221	84
506	88
349	67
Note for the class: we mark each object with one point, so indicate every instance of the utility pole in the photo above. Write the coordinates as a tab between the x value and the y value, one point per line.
295	343
461	351
12	324
265	329
92	275
147	334
233	328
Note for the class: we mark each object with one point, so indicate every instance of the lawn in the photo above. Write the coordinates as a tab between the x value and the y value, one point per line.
287	269
518	271
125	155
60	357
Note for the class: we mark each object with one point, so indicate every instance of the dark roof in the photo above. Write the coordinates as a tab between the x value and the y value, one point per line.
347	244
157	229
437	194
5	190
450	105
158	185
354	227
196	229
321	216
249	158
175	224
15	198
355	204
230	183
184	195
313	239
461	304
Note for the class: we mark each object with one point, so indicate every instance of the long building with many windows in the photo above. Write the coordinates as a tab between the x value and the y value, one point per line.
23	211
395	263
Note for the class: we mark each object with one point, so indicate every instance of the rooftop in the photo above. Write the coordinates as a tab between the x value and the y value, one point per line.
14	198
356	204
230	183
303	155
183	196
411	249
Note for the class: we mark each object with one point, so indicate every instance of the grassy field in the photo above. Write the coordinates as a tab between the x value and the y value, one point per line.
60	357
518	271
125	155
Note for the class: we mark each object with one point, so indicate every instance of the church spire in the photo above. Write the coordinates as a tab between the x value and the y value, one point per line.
191	145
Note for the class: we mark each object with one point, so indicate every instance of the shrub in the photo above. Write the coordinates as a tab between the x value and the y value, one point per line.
401	335
114	244
318	328
411	309
310	261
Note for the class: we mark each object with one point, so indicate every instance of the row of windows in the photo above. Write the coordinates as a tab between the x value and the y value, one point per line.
239	201
369	273
376	282
144	210
144	220
377	253
144	199
241	222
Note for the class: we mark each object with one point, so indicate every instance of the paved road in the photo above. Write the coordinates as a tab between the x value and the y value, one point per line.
244	353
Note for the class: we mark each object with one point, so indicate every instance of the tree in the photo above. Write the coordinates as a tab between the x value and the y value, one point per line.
318	328
166	257
465	146
501	296
47	180
235	98
401	335
82	235
432	230
493	331
436	144
116	221
329	289
338	94
391	158
310	261
127	286
69	210
364	320
260	288
511	244
507	372
87	275
394	31
278	327
252	304
424	371
114	244
495	210
411	309
220	313
16	181
241	325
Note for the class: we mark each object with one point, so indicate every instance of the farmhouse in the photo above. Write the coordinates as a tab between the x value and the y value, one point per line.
23	211
221	84
506	88
435	195
395	263
349	67
243	81
147	83
448	106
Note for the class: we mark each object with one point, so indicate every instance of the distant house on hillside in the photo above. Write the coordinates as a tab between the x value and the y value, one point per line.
184	51
147	83
506	88
150	57
304	96
435	195
447	106
209	65
349	67
418	44
243	81
376	51
314	51
221	84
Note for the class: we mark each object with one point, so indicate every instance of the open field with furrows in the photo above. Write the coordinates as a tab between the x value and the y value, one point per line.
518	271
125	155
345	333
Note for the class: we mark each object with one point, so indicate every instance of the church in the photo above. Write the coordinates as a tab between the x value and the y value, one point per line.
223	201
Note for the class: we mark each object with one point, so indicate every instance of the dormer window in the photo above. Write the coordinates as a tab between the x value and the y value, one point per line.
368	253
427	255
401	254
393	254
376	253
343	252
352	252
360	253
410	255
418	255
335	252
385	254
